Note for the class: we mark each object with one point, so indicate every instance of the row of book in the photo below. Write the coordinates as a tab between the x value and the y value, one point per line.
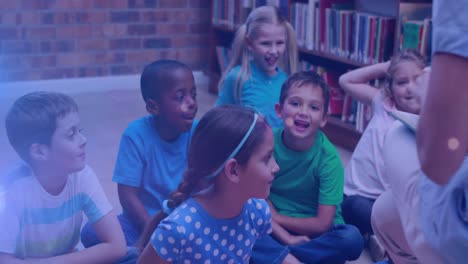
338	29
416	27
232	13
333	26
417	35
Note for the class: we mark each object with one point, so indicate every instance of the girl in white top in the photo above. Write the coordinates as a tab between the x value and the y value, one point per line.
364	175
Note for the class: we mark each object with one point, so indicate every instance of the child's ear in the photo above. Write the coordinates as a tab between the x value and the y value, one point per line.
278	108
152	106
324	120
38	152
231	169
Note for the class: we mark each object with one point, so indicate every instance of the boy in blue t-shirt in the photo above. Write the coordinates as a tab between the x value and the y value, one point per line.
43	200
153	149
307	192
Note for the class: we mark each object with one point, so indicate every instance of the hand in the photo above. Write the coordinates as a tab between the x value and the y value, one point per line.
383	66
296	240
386	65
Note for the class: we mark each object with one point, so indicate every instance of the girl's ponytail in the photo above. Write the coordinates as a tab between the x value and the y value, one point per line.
239	56
182	193
291	59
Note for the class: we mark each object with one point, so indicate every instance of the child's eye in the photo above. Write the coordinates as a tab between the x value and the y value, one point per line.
294	103
314	107
194	95
268	157
402	82
74	132
180	98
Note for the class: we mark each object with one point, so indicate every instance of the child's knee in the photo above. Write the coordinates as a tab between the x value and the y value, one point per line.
384	213
351	241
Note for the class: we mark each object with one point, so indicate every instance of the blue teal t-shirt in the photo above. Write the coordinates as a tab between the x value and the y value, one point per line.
150	163
191	235
260	92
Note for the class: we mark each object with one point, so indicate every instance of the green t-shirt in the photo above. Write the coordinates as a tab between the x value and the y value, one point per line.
307	179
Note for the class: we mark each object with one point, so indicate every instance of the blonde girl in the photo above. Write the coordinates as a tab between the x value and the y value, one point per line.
264	53
365	173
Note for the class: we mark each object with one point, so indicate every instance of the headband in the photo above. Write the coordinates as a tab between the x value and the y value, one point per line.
168	210
236	150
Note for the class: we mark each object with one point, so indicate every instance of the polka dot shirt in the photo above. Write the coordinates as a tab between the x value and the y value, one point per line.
191	235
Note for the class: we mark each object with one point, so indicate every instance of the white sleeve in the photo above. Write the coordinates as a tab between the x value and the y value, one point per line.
9	223
95	203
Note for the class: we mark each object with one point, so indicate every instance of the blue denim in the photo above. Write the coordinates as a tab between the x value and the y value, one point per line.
89	237
340	244
356	211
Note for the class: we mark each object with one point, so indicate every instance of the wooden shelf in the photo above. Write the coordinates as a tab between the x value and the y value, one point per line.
341	134
335	59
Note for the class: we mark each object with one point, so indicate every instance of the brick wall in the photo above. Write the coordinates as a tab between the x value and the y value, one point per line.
50	39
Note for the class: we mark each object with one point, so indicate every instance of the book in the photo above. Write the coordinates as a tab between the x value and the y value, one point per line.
408	119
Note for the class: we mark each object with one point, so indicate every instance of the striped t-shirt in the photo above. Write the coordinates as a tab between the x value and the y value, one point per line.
38	224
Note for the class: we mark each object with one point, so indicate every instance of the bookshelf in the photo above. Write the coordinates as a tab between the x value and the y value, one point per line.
339	43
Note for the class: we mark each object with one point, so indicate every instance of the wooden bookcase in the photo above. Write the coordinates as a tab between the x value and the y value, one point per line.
339	132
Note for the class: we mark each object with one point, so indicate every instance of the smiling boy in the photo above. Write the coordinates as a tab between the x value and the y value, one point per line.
152	155
306	194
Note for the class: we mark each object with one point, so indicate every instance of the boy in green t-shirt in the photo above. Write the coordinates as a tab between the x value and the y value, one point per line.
307	191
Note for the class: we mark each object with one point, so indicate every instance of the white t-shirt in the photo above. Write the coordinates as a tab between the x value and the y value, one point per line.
365	172
37	224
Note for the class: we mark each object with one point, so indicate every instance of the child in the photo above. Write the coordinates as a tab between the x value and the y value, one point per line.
307	191
230	161
153	149
253	76
364	175
395	214
42	210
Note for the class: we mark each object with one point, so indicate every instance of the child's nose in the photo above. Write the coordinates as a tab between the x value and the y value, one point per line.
84	140
276	167
303	110
191	102
274	49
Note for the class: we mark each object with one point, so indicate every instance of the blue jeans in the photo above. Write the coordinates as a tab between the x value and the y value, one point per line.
341	243
89	237
356	211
